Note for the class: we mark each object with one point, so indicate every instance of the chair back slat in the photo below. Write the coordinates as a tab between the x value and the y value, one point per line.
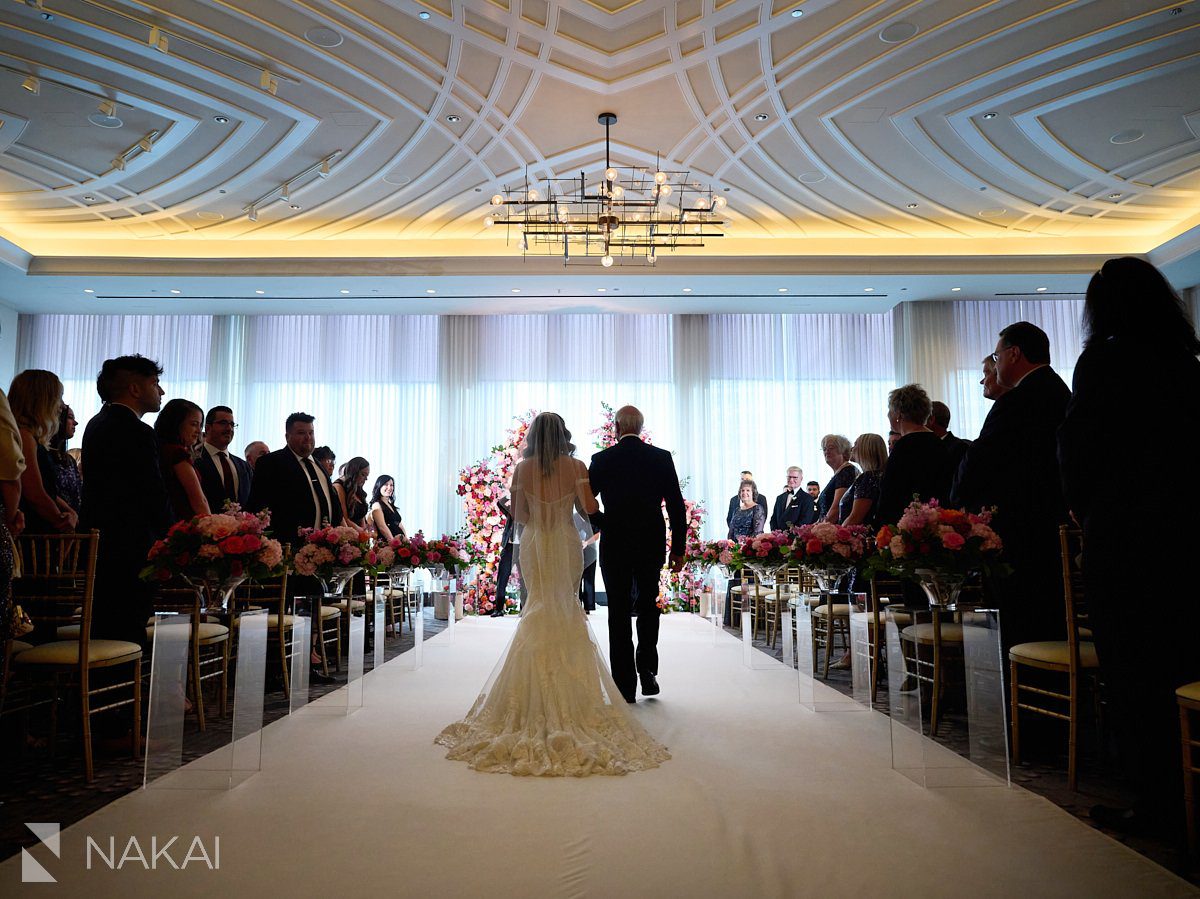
57	582
1070	542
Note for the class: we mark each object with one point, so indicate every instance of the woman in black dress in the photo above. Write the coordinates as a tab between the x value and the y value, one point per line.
1139	356
36	400
66	470
919	465
384	516
178	428
836	450
350	492
859	502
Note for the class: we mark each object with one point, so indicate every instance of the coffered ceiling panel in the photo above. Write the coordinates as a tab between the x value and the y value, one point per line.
382	127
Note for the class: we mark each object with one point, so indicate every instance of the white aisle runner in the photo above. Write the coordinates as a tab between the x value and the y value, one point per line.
762	798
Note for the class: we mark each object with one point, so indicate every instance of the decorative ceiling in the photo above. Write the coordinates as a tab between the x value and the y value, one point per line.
381	127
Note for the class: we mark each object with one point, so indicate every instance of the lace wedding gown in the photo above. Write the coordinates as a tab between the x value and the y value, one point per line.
551	708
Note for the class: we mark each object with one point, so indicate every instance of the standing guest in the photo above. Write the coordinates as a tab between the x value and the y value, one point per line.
68	480
794	506
12	521
893	436
736	498
385	518
919	465
254	451
749	517
814	490
123	494
223	476
508	555
859	502
36	401
325	458
1139	356
939	423
591	555
836	450
291	484
350	492
1013	465
992	388
178	428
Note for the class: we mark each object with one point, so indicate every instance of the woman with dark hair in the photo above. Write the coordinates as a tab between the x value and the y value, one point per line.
178	428
748	518
36	401
1139	355
350	492
66	469
383	509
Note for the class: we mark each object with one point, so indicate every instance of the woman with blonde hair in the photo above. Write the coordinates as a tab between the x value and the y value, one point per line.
858	503
36	400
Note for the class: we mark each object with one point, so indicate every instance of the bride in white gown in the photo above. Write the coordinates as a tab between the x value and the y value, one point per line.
551	707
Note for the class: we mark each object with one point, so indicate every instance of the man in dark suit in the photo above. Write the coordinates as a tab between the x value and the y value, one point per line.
508	550
939	423
293	486
794	506
632	480
1013	465
736	501
124	496
223	476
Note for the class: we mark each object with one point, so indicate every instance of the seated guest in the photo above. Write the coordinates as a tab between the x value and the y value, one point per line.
939	423
836	450
325	458
992	388
350	492
178	428
794	506
254	451
36	400
919	465
749	516
736	498
384	516
66	468
223	476
858	503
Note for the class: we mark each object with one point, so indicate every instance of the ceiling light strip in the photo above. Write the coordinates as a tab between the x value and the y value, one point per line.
321	169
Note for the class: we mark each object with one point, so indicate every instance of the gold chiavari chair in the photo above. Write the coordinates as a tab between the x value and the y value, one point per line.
395	595
273	596
830	624
883	590
58	573
747	593
208	647
1075	658
1188	698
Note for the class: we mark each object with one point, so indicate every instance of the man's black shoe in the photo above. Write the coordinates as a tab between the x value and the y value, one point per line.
649	685
317	676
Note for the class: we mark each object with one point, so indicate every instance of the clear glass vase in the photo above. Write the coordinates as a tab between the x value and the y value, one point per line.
941	587
828	577
335	584
218	591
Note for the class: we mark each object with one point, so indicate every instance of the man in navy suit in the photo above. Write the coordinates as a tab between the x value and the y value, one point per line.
794	506
223	476
632	480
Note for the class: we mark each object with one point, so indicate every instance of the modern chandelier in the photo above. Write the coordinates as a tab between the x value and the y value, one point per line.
626	218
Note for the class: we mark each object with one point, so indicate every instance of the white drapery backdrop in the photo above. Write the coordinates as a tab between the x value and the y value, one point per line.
421	396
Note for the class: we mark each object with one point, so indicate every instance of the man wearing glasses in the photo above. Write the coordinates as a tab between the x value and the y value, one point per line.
224	477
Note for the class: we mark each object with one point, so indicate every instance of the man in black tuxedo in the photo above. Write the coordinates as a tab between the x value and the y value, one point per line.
1013	465
223	476
293	486
124	496
939	423
794	506
736	500
633	479
507	551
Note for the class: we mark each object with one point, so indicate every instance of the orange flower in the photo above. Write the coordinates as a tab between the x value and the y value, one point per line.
884	537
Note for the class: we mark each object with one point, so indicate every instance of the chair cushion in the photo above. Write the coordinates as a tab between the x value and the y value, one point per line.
209	633
754	590
354	604
68	632
1187	691
19	646
101	653
330	611
923	633
1055	652
840	610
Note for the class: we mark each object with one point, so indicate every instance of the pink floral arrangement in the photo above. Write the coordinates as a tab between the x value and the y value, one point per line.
947	541
680	591
606	435
229	544
712	552
410	552
329	548
827	545
774	549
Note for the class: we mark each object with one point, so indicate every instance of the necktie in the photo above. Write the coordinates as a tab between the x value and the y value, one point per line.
318	489
227	477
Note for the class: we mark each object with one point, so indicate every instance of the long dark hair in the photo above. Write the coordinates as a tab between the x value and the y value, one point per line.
1129	296
349	477
171	419
377	490
58	443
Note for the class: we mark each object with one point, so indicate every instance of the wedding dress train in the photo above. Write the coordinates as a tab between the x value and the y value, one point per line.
551	707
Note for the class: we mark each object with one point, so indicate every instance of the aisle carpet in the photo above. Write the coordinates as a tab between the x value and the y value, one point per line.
762	798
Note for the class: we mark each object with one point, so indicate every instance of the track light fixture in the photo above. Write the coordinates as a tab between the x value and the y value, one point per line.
252	214
323	172
32	85
284	190
119	163
157	39
268	82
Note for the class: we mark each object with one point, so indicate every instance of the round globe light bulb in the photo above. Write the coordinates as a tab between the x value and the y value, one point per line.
497	200
660	177
606	261
533	194
720	203
664	190
488	221
610	174
701	203
652	258
618	191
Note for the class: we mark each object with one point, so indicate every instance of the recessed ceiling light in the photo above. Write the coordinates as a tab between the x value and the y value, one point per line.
323	37
293	206
430	290
601	289
797	13
869	289
221	119
173	290
89	199
956	289
761	117
222	190
898	32
515	290
912	205
989	115
783	290
422	15
1115	196
88	290
343	290
48	16
260	292
1128	136
1041	290
453	119
687	290
1175	10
